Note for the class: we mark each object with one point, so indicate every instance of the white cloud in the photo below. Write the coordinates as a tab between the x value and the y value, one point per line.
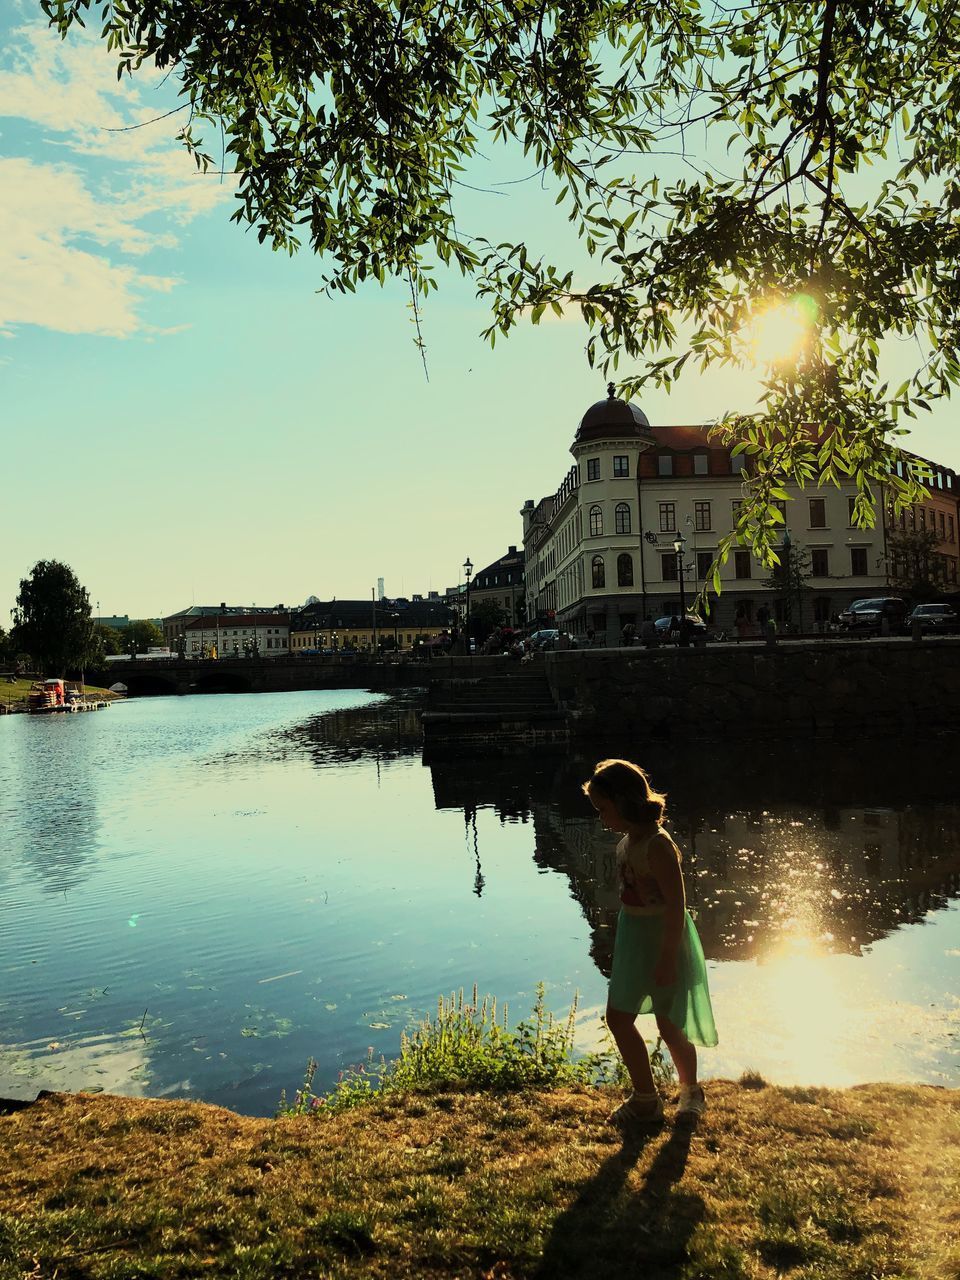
67	225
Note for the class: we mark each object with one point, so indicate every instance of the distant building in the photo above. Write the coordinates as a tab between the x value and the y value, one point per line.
502	583
118	623
932	559
235	634
175	624
353	624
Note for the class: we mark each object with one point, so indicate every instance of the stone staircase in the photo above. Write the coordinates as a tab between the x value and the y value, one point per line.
495	714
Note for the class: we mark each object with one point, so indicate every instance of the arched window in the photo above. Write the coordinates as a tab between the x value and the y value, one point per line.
622	518
596	522
625	570
599	577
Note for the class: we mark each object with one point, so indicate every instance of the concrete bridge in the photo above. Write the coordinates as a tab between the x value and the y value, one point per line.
155	676
146	676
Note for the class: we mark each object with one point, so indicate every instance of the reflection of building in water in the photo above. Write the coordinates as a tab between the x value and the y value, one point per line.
388	729
835	846
844	877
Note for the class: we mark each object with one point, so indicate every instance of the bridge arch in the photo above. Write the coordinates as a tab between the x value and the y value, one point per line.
221	681
147	684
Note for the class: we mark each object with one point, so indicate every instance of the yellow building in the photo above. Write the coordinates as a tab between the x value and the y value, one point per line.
364	627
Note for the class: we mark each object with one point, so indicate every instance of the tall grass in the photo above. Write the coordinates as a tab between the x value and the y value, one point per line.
469	1043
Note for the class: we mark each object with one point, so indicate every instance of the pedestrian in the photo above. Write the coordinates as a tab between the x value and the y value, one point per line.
742	624
658	964
648	632
763	617
591	636
628	633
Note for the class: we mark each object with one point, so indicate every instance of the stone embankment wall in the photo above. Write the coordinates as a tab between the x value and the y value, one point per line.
842	690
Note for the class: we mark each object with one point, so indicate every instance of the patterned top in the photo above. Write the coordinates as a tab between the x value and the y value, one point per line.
640	895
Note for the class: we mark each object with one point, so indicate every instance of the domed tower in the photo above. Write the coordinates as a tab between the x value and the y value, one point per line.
609	441
612	422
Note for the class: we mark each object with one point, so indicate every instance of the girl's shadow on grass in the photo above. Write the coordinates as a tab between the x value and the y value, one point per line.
613	1229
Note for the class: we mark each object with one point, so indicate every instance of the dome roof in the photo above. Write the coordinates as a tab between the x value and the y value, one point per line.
612	418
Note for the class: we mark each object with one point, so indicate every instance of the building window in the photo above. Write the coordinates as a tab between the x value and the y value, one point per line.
818	513
593	468
599	577
858	561
738	462
701	515
668	517
668	567
621	465
735	506
700	464
664	464
950	533
596	522
820	563
923	518
621	518
851	504
943	527
741	564
704	561
624	570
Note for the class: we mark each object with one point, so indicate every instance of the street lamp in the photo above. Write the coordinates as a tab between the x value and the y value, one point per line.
679	547
467	571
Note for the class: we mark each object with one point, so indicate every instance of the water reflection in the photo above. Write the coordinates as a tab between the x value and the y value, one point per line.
384	729
53	798
814	865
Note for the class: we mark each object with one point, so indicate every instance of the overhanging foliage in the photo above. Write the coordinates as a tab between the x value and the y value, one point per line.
819	169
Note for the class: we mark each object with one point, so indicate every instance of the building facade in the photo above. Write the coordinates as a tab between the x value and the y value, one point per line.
235	635
367	627
601	552
175	625
922	541
502	583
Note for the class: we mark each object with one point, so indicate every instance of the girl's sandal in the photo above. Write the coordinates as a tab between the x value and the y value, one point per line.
639	1110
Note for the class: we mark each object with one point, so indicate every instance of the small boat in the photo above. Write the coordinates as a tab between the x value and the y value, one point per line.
48	697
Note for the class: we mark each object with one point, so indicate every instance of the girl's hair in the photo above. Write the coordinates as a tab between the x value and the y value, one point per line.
629	788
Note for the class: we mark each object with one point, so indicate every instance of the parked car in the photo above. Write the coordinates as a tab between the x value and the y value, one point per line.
935	617
868	615
546	639
693	619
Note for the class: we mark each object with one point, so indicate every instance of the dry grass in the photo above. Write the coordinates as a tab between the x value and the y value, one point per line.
857	1184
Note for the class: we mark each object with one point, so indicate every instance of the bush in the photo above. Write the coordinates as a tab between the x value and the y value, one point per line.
469	1044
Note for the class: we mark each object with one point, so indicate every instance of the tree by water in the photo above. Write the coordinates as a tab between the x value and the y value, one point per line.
727	174
52	621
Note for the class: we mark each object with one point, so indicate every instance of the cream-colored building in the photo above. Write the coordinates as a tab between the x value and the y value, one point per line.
600	550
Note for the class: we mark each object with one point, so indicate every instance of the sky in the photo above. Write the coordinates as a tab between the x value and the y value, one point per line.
185	419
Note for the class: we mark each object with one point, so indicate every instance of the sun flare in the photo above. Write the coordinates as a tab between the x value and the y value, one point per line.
778	334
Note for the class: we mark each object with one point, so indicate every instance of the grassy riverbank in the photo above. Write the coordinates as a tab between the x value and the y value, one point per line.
837	1185
14	695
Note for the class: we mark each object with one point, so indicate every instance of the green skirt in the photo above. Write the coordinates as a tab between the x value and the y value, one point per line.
685	1002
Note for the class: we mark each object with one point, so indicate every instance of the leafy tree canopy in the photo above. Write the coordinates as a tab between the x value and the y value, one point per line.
724	166
52	621
140	634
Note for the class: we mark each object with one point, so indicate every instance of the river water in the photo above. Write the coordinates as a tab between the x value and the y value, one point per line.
199	894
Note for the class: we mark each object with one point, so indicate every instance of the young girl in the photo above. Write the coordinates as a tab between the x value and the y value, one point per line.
658	964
